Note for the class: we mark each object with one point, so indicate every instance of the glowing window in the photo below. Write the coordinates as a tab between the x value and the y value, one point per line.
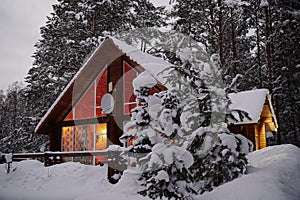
85	138
69	116
100	141
67	134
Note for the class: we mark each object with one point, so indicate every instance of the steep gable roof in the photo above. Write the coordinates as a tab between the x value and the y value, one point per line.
152	64
108	51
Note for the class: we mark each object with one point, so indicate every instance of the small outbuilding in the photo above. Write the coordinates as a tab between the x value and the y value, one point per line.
262	122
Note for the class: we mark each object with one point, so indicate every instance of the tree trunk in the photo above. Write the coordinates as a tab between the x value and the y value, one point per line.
268	48
258	49
211	27
220	34
233	43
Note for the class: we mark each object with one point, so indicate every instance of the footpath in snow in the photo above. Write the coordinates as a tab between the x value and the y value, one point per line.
274	174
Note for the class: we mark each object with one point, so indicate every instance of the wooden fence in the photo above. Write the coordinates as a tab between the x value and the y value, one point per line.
52	158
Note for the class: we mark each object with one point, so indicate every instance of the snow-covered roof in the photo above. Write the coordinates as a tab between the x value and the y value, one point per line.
252	102
151	64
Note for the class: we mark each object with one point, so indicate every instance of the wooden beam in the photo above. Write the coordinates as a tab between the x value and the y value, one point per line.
85	121
266	112
270	126
256	137
55	138
262	140
266	120
249	132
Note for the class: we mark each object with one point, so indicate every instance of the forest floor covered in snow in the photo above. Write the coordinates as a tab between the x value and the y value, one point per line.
274	174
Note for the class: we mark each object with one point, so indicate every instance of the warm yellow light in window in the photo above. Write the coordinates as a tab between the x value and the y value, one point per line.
101	137
101	141
67	131
101	128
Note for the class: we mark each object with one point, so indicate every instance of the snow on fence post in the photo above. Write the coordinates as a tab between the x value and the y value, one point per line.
52	158
7	159
2	158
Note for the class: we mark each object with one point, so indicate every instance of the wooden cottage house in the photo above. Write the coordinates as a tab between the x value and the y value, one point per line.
258	105
79	121
76	121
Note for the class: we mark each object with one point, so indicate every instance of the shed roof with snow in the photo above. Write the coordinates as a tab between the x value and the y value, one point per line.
252	102
257	103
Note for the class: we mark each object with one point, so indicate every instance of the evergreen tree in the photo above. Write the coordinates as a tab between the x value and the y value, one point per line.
253	62
257	43
198	20
2	114
140	128
286	69
165	173
16	123
217	160
222	27
165	168
189	117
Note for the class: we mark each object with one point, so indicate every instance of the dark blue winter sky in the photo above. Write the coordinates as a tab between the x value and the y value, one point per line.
20	22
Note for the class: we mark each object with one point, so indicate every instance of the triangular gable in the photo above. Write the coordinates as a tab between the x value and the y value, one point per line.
108	51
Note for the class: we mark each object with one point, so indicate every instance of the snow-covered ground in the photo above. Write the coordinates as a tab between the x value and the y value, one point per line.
274	174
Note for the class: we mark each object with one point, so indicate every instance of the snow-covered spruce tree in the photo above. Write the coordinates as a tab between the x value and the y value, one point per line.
165	170
3	128
286	68
166	173
140	128
157	153
197	93
219	156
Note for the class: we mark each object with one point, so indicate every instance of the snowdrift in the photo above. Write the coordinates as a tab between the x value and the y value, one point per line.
274	174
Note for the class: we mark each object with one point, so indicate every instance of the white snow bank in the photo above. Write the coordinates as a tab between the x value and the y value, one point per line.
32	181
273	175
124	190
